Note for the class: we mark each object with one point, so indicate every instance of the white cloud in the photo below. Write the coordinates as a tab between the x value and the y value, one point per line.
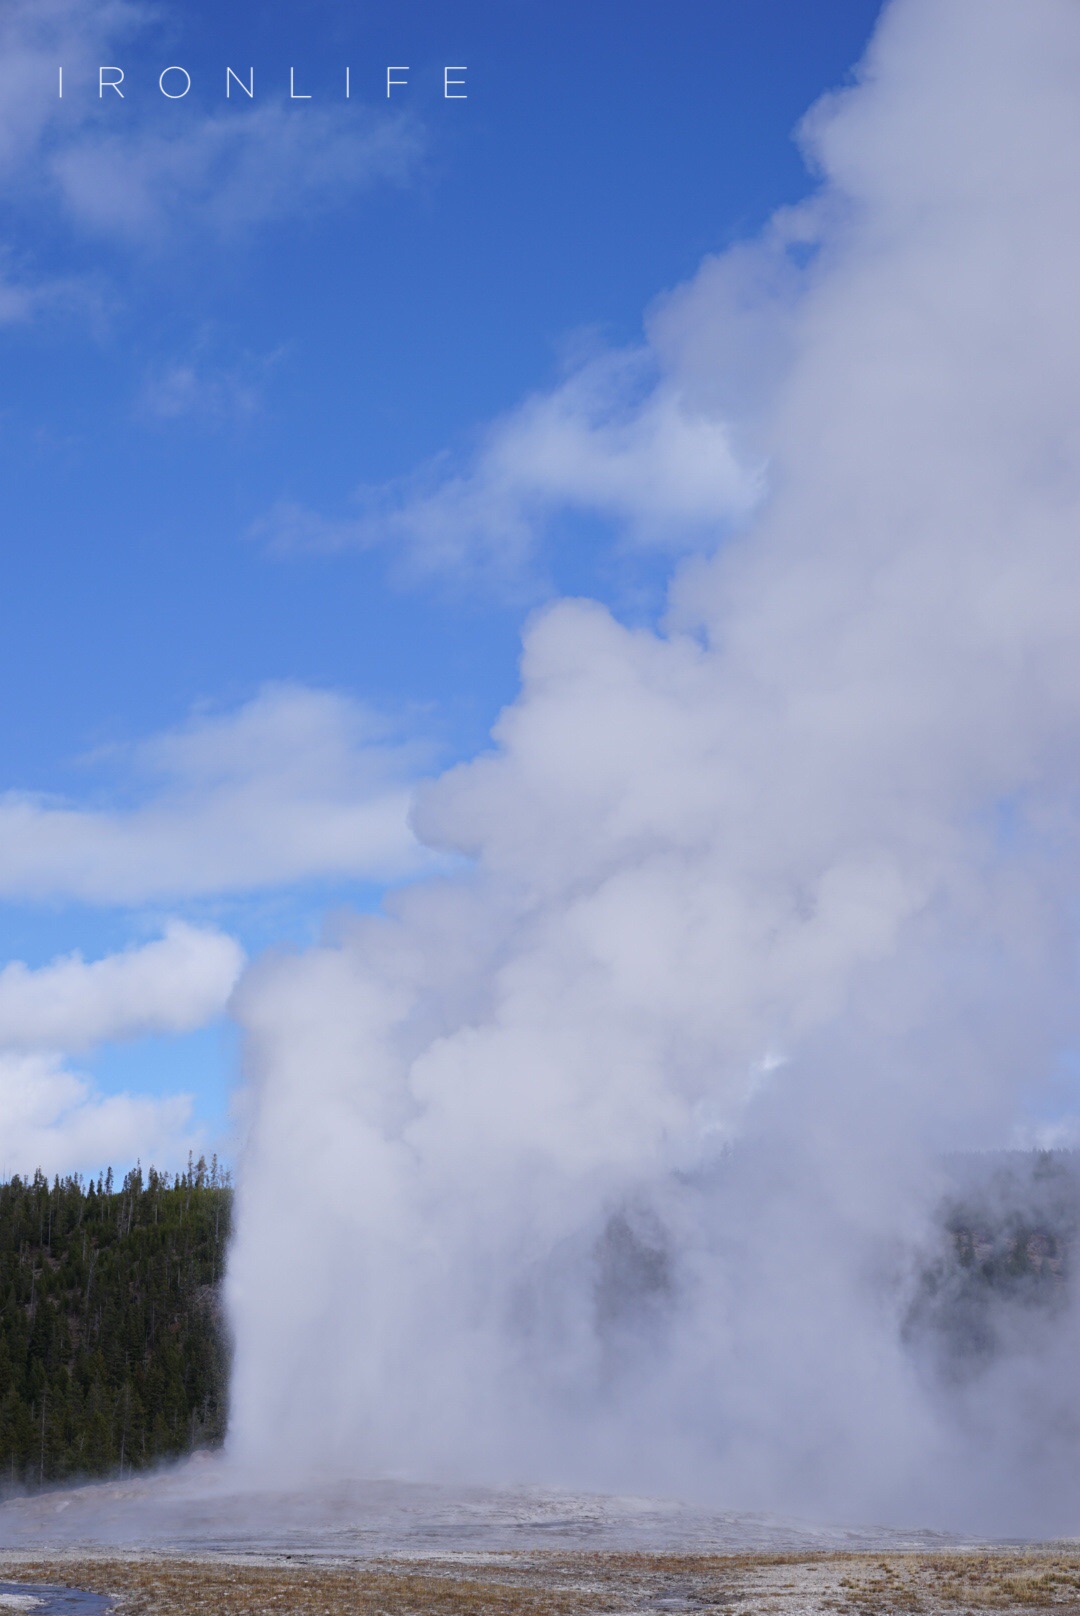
173	985
613	440
54	1119
296	785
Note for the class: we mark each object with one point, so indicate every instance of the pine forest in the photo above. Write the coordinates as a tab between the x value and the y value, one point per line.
112	1352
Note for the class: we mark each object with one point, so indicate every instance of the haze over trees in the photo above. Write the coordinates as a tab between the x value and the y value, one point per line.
112	1354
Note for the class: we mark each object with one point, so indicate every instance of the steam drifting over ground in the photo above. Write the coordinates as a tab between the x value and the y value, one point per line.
614	1162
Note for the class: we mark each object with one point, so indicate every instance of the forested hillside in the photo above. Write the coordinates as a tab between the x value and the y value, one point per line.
111	1348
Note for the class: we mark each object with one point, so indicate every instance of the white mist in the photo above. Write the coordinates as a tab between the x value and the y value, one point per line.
530	1193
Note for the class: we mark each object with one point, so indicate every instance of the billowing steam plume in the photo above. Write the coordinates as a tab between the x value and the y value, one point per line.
615	1160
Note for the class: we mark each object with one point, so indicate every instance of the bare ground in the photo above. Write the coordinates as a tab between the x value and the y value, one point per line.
574	1584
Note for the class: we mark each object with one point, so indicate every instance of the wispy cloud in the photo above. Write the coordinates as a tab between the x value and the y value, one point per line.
25	295
296	785
617	438
228	172
202	388
144	185
35	36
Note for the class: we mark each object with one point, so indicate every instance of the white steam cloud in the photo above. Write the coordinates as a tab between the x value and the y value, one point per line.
612	1162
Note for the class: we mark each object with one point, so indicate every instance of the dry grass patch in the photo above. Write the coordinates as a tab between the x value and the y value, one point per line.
543	1584
160	1587
578	1584
1009	1580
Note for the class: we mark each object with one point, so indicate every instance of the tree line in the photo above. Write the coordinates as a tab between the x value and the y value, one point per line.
112	1350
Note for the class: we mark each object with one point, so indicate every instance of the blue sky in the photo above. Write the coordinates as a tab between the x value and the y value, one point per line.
255	361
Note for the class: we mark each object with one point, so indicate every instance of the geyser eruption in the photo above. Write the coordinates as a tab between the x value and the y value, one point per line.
615	1160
